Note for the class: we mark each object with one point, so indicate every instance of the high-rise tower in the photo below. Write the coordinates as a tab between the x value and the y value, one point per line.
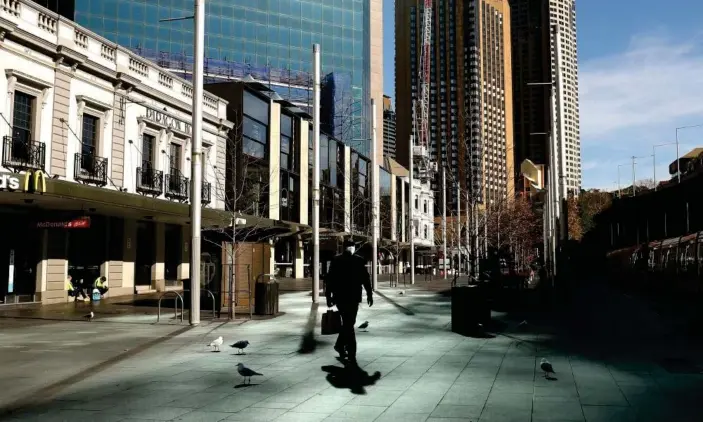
534	57
470	99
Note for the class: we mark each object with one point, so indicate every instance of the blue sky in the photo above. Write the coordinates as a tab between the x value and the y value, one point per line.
640	77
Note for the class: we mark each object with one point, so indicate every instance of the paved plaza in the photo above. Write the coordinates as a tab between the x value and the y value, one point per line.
627	367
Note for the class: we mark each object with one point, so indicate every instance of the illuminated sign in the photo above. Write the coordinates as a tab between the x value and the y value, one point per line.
39	178
9	182
76	223
167	120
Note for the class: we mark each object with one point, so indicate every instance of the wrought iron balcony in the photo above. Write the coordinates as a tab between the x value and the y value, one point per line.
150	181
18	154
206	193
90	168
177	186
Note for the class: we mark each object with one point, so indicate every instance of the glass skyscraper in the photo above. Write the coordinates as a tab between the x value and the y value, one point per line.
269	39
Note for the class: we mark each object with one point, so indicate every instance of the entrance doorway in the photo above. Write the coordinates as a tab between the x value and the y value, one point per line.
87	251
172	252
146	253
19	257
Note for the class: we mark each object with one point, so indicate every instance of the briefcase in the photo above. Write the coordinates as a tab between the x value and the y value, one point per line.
331	322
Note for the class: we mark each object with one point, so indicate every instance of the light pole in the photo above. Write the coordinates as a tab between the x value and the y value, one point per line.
374	201
654	159
444	221
678	157
316	173
196	161
411	203
619	189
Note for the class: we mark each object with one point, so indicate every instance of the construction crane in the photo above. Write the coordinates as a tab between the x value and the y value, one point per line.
422	104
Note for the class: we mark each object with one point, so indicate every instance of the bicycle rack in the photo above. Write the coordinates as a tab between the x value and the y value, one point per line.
212	297
175	311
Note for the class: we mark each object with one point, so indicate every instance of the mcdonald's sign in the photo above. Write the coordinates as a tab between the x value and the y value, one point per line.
39	181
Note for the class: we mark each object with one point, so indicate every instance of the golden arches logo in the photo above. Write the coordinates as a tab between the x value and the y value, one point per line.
39	184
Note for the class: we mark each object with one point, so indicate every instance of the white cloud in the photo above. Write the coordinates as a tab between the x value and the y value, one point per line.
635	99
655	81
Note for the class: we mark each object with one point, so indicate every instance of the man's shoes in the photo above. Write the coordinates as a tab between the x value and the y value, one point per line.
340	350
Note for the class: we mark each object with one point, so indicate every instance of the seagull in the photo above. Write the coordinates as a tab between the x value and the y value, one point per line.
246	372
89	316
241	345
364	325
546	366
217	343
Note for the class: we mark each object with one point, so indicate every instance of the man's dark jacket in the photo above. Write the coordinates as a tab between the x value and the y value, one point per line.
346	277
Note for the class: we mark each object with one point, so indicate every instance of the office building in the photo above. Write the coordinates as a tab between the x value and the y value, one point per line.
531	64
388	128
563	14
534	56
271	41
470	108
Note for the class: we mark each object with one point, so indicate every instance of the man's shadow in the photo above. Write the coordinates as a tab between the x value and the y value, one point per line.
351	377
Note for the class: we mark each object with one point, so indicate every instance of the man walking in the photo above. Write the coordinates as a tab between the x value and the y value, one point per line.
343	285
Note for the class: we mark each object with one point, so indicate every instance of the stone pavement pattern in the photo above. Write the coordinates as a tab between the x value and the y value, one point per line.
427	372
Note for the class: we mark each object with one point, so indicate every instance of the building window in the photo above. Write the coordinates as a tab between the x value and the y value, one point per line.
417	203
174	159
22	118
255	126
426	234
89	137
148	144
425	206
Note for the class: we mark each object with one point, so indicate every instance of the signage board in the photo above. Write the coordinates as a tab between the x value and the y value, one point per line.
168	121
34	181
76	223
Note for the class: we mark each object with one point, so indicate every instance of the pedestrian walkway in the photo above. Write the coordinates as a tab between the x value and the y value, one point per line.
427	373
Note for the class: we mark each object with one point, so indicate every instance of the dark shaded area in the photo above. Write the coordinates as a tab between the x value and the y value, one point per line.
308	343
351	377
401	308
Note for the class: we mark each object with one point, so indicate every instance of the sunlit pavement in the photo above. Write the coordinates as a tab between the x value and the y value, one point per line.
606	350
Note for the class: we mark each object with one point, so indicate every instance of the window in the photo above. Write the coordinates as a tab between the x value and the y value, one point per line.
425	207
255	126
89	137
417	203
174	159
426	234
148	143
22	118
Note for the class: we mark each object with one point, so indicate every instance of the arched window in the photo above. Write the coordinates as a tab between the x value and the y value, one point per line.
417	203
425	206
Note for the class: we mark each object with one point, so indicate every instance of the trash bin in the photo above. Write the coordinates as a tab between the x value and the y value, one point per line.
469	309
266	298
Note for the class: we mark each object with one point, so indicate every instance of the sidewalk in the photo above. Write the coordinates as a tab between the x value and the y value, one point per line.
427	373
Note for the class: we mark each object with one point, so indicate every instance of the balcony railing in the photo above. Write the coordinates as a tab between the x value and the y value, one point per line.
176	186
150	181
206	193
18	154
90	168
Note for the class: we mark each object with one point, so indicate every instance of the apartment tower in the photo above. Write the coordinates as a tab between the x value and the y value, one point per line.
534	55
471	105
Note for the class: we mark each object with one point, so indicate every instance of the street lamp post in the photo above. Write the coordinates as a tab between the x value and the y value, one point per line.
678	157
619	189
654	159
316	174
196	161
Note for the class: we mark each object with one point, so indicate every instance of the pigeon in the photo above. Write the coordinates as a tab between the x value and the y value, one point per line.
241	345
364	325
246	372
89	316
546	366
217	343
402	292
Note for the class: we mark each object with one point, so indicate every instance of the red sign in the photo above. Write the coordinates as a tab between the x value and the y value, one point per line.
76	223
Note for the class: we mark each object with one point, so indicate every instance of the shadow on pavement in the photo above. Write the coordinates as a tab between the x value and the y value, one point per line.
351	377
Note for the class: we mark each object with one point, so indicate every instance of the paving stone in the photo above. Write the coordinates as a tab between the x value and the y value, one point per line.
609	414
505	414
455	411
256	414
391	416
203	416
